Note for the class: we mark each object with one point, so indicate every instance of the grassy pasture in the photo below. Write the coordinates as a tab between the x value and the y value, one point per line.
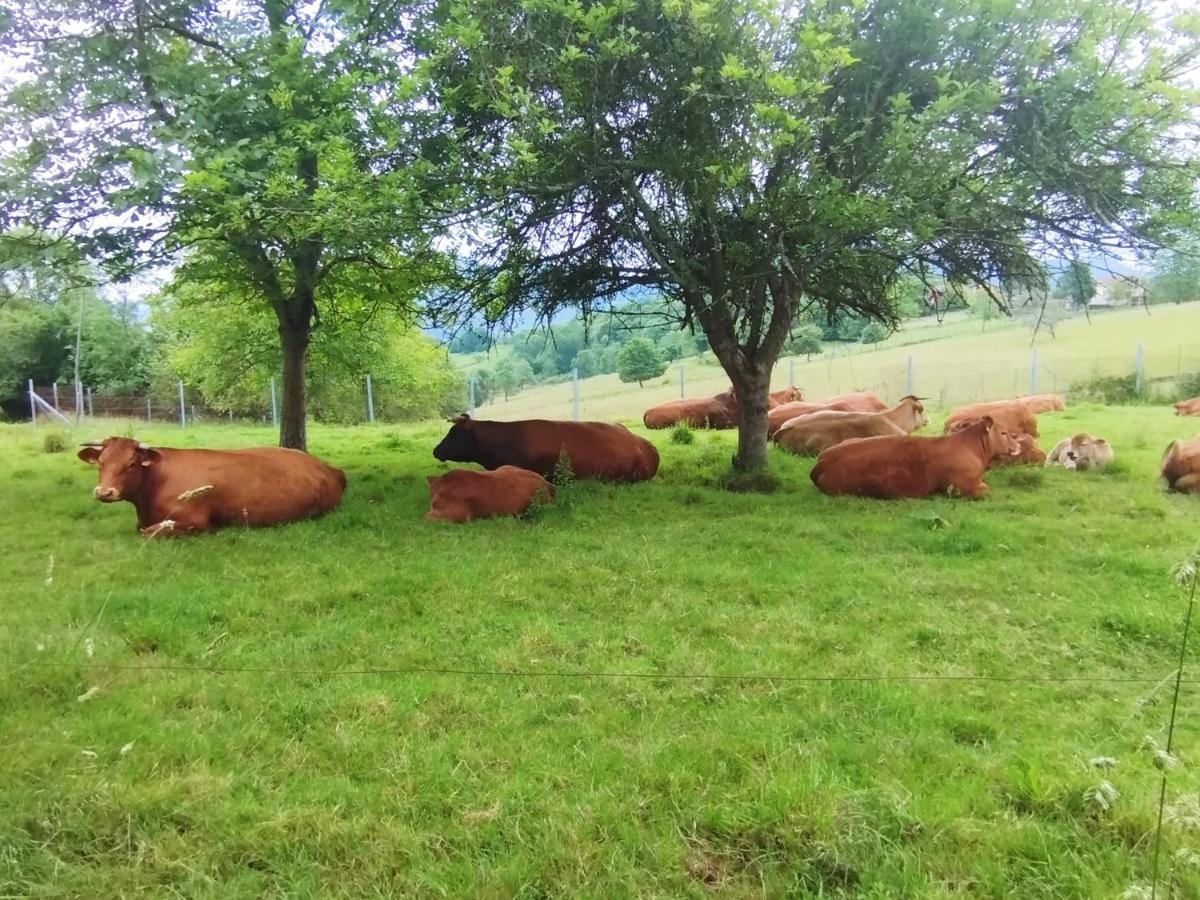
955	362
270	778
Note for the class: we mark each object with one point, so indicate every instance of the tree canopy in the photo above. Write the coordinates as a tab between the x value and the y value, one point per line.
274	142
639	361
752	159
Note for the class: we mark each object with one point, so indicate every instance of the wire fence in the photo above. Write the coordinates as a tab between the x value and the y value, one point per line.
945	382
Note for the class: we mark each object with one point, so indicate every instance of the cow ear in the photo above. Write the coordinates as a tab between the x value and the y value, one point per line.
988	423
148	456
90	455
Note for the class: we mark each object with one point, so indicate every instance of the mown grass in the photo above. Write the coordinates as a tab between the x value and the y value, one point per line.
269	777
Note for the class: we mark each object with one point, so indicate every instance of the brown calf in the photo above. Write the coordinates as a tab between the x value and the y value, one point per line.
463	495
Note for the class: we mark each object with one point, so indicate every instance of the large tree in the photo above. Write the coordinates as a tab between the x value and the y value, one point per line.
275	139
752	159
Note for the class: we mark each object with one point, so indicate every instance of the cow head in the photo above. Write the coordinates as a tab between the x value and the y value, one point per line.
123	463
443	505
1086	452
461	443
915	410
998	442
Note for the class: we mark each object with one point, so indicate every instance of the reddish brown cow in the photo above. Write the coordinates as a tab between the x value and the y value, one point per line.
1188	407
720	411
463	495
595	449
858	401
785	412
1030	454
895	466
1181	466
809	434
189	491
1043	403
787	395
1012	416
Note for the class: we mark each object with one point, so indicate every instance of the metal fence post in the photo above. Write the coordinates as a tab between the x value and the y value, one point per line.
370	400
147	409
274	406
55	387
682	382
32	405
792	371
1033	367
91	407
910	390
575	394
1139	368
182	408
471	394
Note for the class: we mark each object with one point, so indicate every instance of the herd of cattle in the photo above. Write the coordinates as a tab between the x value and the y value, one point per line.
863	447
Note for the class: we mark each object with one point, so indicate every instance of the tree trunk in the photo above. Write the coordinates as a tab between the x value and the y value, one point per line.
751	388
293	423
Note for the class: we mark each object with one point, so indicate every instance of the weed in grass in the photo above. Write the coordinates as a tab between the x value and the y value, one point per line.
682	434
54	442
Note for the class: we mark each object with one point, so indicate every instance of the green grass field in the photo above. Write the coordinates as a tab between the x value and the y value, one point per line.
204	718
954	362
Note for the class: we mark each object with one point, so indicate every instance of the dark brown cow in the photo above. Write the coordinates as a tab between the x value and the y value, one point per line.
1181	466
463	495
720	411
595	449
1012	416
896	466
189	491
1043	403
1188	407
1030	454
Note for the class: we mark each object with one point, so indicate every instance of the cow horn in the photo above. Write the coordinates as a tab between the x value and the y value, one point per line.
92	444
142	445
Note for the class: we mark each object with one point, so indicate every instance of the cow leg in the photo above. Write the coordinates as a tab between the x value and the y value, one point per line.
972	490
1188	484
176	526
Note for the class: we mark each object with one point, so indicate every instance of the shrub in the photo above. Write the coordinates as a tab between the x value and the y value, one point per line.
873	333
54	442
563	479
1188	386
1112	390
682	434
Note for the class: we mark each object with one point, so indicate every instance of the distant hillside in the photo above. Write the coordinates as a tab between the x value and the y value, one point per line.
955	361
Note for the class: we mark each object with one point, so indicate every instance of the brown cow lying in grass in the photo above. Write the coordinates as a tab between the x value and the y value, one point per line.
898	466
463	495
810	434
1012	416
862	402
1042	403
1030	453
189	491
1181	466
1188	407
719	411
1081	452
